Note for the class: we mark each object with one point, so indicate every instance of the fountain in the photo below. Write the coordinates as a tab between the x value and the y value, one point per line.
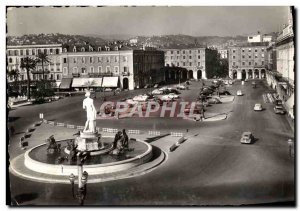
97	154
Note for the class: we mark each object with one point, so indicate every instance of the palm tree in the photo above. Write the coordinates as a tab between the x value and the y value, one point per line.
44	59
28	64
14	74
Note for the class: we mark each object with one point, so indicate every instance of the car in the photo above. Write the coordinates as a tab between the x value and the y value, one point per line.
213	101
181	87
107	89
278	102
279	109
258	107
140	98
224	92
157	92
247	138
239	93
169	97
173	91
230	82
156	86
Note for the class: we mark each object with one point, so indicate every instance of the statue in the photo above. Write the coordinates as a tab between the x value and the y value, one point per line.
52	146
73	150
88	105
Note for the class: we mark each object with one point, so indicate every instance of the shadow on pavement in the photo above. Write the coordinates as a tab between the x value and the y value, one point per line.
24	197
12	119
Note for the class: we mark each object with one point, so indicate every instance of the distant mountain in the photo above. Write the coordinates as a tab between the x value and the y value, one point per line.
111	37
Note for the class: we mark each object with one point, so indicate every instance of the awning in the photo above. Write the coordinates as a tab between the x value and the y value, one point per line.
78	82
110	82
65	83
57	83
87	82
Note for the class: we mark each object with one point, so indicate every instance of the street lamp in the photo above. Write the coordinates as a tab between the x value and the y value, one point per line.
82	181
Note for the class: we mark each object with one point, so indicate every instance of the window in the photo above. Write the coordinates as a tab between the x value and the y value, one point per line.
116	69
198	56
177	63
21	52
262	62
39	51
82	49
116	59
91	69
82	60
190	57
243	56
243	50
233	57
249	50
198	51
56	51
74	60
262	55
58	69
249	56
183	57
108	69
177	52
183	63
190	51
10	60
51	51
16	53
65	60
91	59
183	51
255	63
107	59
199	64
249	63
65	50
52	69
45	51
83	70
243	63
33	52
57	77
255	50
250	38
177	57
171	57
125	69
99	49
171	52
233	51
99	69
255	56
51	76
233	63
99	59
190	63
262	50
125	58
65	71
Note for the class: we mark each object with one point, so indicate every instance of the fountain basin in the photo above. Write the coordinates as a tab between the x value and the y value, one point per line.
104	166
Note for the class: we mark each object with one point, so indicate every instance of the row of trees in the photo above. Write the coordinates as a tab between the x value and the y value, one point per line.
29	64
215	65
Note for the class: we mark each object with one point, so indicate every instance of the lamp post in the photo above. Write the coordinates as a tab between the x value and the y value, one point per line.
82	181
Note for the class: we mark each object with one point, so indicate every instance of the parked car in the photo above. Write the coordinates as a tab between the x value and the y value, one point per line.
224	92
213	101
169	97
181	87
157	92
140	98
247	138
239	93
258	107
174	91
107	89
278	102
279	109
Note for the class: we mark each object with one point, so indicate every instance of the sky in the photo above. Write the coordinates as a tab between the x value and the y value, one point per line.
112	20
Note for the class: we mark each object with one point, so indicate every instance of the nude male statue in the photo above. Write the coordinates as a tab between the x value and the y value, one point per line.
88	105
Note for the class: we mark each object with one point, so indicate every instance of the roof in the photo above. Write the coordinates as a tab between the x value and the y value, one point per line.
182	47
91	48
250	44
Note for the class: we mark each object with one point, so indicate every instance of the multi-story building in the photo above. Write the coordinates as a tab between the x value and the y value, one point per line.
192	59
118	66
281	78
52	70
247	60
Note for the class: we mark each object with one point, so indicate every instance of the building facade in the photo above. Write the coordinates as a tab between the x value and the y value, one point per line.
192	59
130	68
281	78
52	70
248	60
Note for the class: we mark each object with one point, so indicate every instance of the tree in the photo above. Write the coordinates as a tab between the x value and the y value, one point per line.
28	64
14	74
44	59
215	66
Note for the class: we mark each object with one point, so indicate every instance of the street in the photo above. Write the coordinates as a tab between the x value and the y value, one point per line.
211	168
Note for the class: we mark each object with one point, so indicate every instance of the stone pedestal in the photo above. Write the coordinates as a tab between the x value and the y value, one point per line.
89	141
